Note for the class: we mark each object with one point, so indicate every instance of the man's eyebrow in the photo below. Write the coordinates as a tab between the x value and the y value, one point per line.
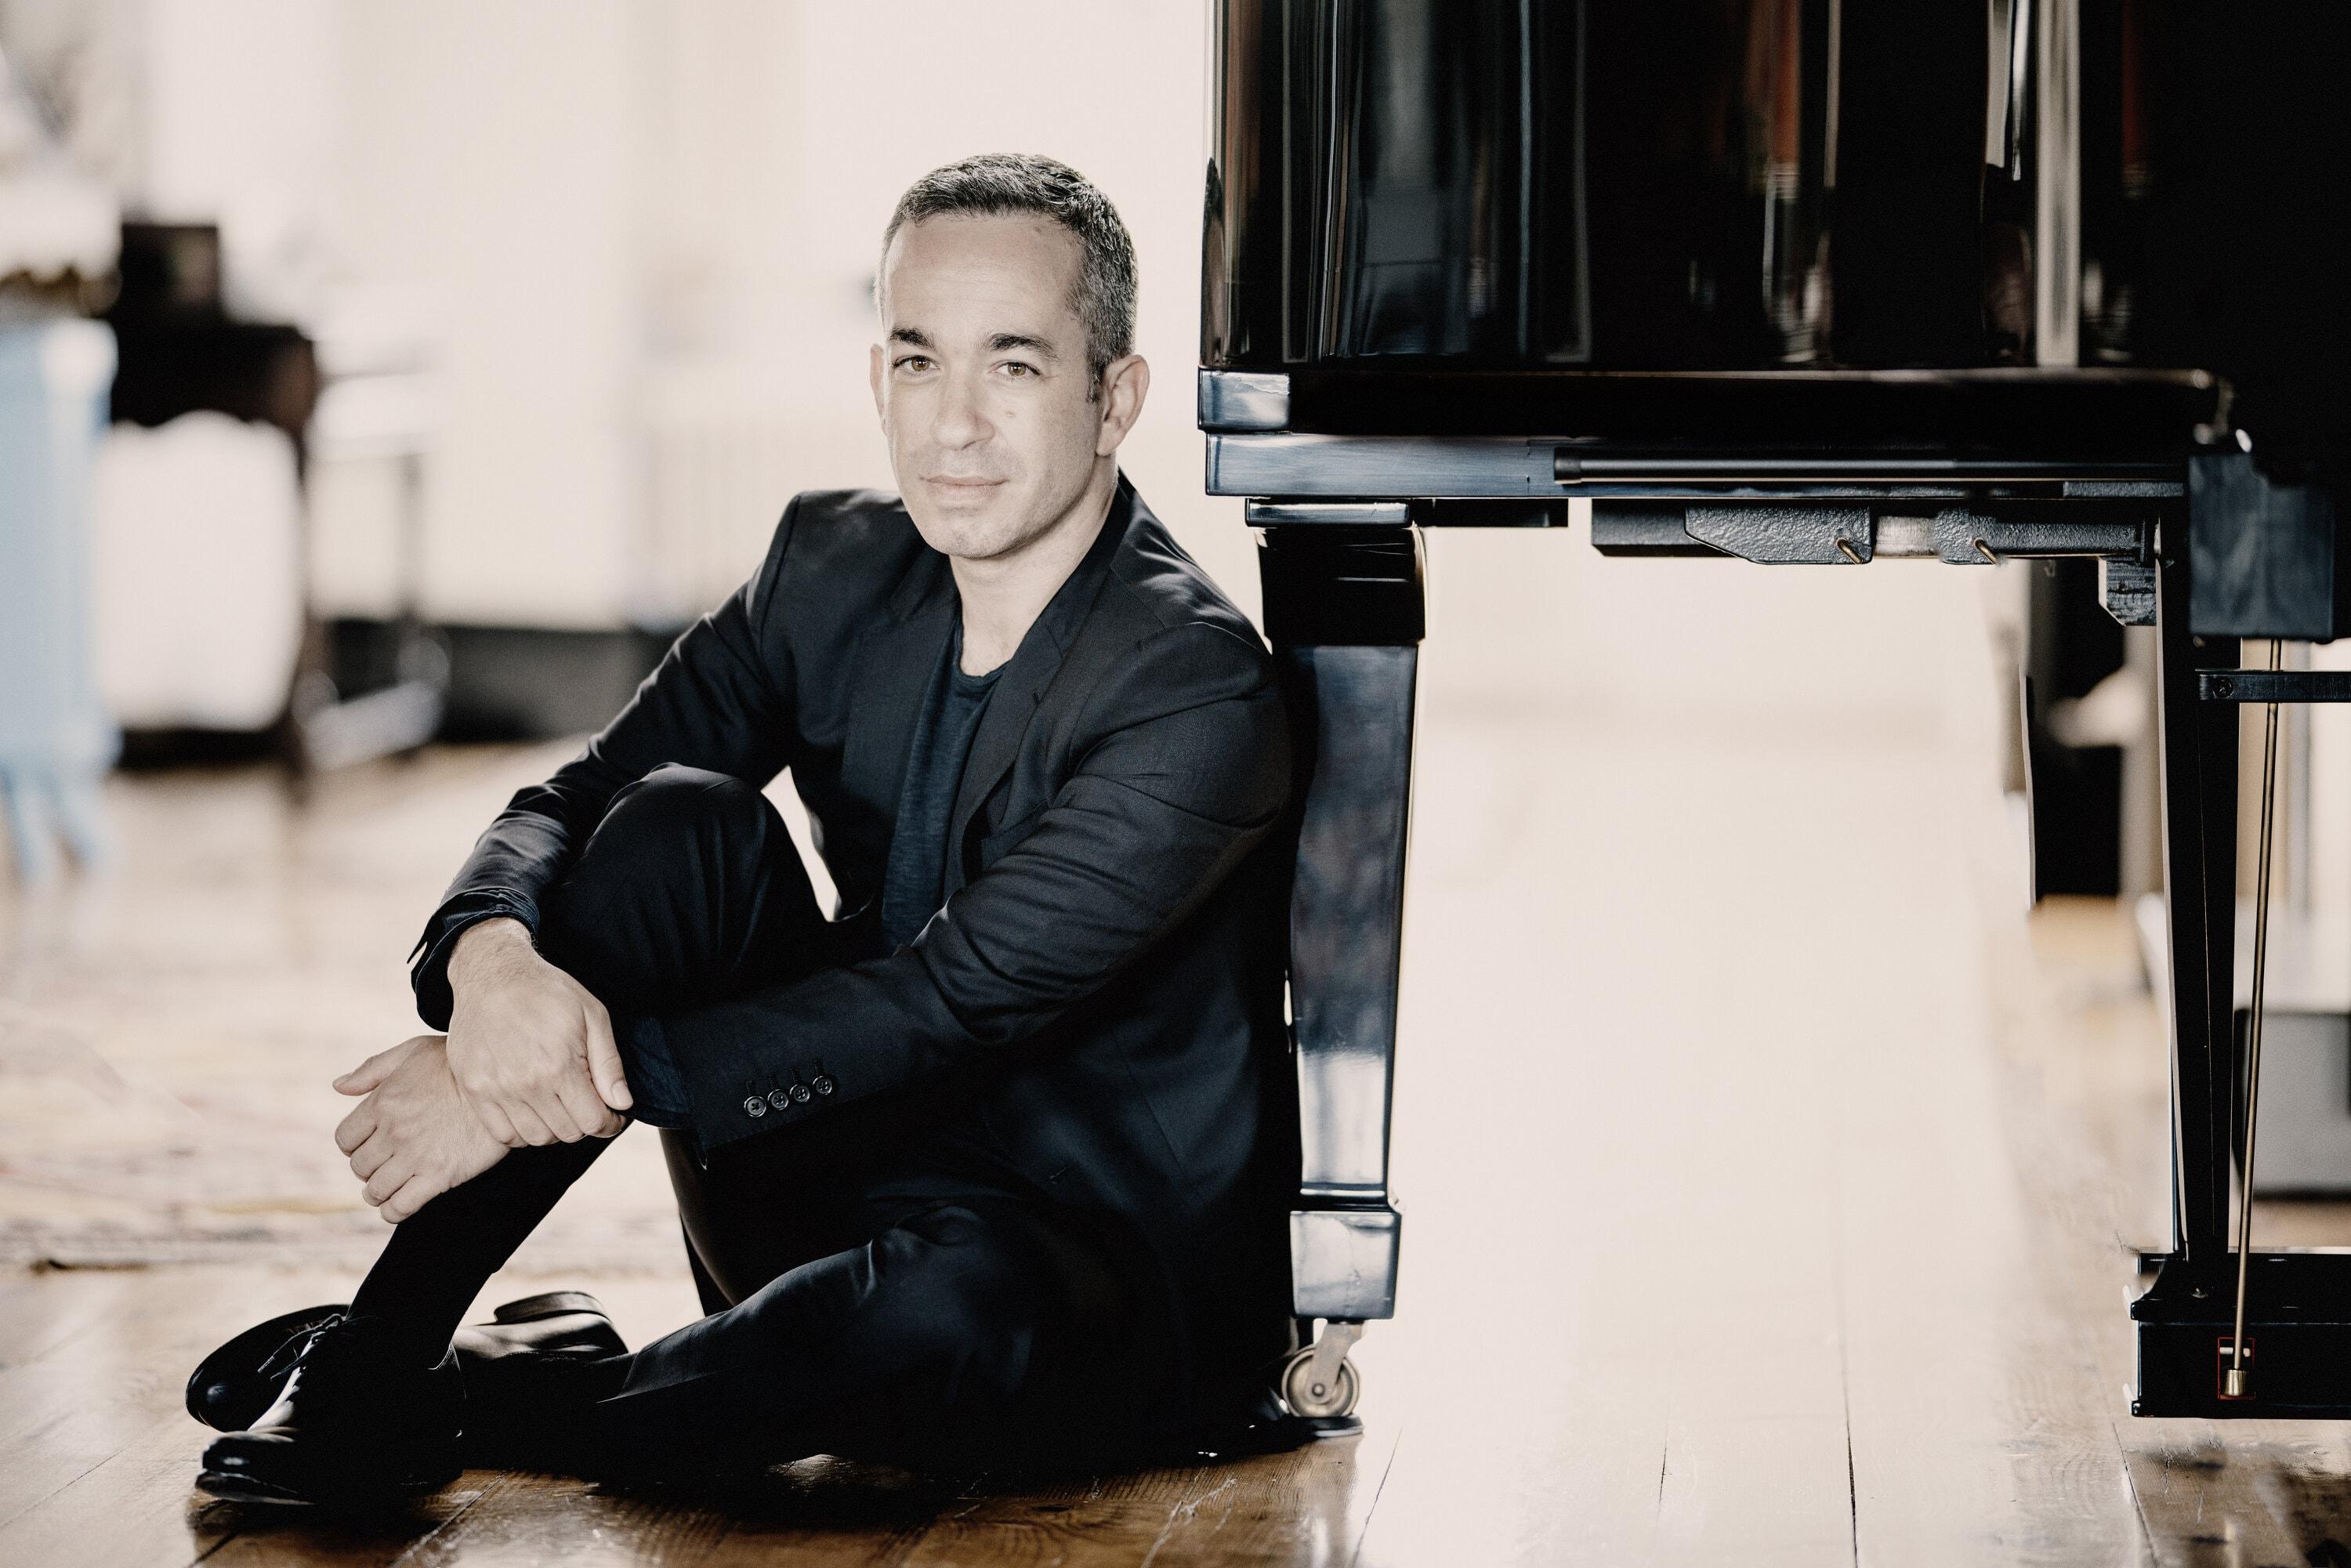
1038	346
999	343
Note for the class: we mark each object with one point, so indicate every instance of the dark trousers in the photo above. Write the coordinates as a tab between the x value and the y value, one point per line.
873	1291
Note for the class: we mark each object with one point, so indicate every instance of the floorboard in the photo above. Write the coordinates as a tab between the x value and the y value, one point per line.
68	1414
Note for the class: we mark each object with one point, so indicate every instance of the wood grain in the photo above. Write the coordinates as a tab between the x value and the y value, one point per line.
94	1394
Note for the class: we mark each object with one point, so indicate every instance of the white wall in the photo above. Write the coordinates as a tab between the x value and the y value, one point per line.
493	154
240	105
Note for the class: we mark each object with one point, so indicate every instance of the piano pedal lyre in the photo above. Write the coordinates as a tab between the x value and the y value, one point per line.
2237	1351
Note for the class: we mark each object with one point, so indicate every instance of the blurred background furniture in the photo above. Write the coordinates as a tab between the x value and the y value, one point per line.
57	246
200	508
56	739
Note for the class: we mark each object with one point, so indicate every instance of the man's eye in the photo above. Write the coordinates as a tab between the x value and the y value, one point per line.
1017	369
914	362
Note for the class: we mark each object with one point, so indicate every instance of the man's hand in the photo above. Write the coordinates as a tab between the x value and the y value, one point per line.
531	1050
413	1138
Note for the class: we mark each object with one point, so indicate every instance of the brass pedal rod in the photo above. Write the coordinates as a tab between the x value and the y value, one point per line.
2235	1383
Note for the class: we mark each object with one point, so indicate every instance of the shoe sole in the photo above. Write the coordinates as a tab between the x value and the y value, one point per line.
235	1488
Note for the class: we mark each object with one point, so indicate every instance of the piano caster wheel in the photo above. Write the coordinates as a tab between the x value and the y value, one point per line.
1313	1393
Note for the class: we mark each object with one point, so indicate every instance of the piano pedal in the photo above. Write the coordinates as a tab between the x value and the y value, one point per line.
2233	1378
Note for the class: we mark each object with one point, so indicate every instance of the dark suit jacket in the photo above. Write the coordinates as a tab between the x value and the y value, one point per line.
1104	982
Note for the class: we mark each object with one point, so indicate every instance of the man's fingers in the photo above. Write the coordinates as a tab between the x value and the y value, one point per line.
369	1157
363	1078
388	1177
493	1119
588	1110
413	1193
353	1130
527	1125
501	1126
604	1058
558	1116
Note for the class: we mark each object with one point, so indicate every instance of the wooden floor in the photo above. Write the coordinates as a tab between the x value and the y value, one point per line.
1771	1191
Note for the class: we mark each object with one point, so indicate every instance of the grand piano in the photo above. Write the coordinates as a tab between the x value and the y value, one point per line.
1805	283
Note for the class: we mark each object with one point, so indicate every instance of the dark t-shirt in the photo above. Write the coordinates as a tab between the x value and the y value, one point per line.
913	883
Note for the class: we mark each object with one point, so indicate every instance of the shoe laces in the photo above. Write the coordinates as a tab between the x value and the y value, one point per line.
296	1345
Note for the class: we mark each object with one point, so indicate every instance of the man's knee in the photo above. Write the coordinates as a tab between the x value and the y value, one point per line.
669	847
676	821
674	800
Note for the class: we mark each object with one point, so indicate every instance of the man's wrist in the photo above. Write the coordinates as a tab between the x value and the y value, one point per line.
486	939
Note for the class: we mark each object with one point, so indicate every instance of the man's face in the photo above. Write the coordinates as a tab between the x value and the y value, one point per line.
981	380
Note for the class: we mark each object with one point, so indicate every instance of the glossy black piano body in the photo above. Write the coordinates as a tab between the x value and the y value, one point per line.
1807	282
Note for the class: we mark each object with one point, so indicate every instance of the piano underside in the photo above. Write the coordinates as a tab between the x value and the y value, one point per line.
1803	283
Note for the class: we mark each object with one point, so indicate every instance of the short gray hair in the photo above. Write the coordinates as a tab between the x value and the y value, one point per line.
1000	184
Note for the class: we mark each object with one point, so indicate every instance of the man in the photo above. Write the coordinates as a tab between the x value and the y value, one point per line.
994	1164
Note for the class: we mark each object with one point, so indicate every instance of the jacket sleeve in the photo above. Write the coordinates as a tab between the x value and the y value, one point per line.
1187	769
720	699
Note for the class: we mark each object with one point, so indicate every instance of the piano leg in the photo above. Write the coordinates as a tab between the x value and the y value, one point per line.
1344	607
2199	747
2298	1304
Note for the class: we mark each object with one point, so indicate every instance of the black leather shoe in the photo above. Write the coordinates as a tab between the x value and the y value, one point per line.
359	1424
232	1386
531	1374
563	1325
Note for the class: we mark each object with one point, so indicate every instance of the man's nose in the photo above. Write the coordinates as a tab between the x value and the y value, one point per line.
962	420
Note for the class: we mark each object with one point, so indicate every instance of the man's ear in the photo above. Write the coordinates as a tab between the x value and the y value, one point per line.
1125	384
873	375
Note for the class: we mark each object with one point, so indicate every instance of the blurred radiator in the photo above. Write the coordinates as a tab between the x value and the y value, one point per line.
720	471
729	442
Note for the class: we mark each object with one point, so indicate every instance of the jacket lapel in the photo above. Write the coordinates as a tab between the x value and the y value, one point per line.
1031	673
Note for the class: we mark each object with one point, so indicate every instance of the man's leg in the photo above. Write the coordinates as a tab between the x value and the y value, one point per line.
977	1331
689	888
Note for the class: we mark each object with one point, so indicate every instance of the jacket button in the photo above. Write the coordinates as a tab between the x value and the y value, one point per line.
754	1106
821	1083
781	1099
799	1093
